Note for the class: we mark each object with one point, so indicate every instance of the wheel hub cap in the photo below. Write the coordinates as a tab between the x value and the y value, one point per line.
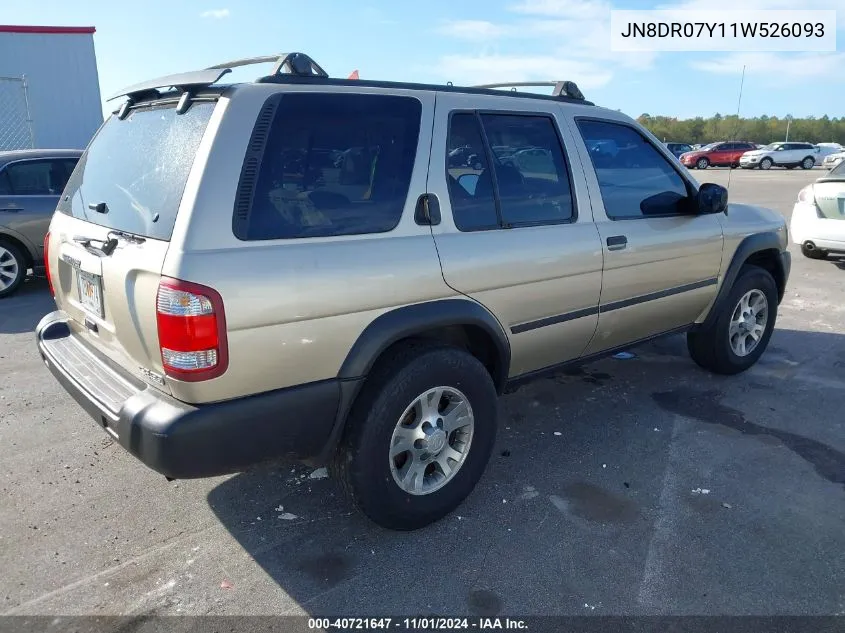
436	441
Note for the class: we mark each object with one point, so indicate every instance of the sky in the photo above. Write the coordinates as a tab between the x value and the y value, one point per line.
466	42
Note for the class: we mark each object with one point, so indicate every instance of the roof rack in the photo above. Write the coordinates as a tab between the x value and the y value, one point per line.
297	64
561	88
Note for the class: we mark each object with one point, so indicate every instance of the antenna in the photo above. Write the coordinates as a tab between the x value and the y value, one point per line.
738	104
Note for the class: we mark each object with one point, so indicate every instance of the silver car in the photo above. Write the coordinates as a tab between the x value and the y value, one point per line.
31	182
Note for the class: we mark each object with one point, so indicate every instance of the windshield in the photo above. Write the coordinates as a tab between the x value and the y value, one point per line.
137	167
772	146
708	146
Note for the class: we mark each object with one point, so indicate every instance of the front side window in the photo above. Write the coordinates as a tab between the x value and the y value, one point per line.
334	164
635	180
527	183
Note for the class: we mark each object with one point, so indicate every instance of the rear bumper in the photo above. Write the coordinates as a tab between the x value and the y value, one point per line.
181	440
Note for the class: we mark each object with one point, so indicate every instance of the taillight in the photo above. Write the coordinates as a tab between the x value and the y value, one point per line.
47	263
807	194
191	330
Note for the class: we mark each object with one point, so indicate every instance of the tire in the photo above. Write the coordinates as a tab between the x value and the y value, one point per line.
766	163
702	163
813	253
711	348
13	268
363	463
808	163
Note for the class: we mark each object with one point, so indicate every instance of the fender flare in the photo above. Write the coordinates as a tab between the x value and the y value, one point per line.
768	240
398	324
404	322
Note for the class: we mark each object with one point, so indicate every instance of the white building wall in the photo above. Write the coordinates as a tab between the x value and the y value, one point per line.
63	87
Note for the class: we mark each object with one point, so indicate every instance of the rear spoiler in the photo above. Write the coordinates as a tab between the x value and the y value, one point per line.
181	81
287	63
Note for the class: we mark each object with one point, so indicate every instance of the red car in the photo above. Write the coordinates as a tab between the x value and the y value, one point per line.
724	154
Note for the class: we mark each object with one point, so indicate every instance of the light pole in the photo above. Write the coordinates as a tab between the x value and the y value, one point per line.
788	121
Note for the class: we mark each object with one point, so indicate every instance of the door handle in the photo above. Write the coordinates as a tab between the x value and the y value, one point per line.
617	242
11	209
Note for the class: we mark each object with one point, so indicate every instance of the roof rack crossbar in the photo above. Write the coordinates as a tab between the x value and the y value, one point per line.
561	88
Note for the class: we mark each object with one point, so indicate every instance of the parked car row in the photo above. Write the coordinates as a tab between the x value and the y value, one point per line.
752	156
31	182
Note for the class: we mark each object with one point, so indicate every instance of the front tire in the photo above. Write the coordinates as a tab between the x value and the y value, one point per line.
419	436
702	163
741	332
766	163
13	269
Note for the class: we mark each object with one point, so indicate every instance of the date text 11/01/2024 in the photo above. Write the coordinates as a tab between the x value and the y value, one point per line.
416	624
723	29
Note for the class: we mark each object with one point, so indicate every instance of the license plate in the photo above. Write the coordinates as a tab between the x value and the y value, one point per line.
90	292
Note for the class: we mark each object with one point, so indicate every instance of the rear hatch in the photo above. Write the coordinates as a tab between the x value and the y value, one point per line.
110	235
829	192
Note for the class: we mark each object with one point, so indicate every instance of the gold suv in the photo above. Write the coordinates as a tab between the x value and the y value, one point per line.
349	272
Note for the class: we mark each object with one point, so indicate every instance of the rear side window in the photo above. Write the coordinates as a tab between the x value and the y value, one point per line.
138	167
34	178
528	180
635	179
333	164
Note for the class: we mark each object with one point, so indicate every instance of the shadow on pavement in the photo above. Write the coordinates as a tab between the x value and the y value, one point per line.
23	310
639	486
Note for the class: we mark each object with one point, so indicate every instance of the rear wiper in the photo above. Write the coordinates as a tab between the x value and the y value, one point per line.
134	238
105	250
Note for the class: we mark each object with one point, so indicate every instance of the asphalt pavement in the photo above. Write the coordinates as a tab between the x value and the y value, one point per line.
628	487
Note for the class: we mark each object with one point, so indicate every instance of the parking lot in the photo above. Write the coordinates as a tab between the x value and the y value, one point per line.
631	486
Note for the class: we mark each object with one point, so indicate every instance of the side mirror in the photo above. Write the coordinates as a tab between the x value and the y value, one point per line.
712	198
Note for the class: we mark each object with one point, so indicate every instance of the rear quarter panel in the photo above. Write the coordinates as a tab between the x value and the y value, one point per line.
294	308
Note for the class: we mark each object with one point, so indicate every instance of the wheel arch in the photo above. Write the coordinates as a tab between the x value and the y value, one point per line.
761	249
457	321
20	243
460	322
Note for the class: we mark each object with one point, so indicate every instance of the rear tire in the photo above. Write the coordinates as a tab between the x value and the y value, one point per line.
718	347
766	163
813	253
394	407
13	268
808	163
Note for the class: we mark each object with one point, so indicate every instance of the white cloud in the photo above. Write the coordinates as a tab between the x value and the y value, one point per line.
779	65
215	14
570	9
760	5
481	69
567	39
474	30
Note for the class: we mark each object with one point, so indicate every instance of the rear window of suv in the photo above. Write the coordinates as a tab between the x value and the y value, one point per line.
138	167
334	164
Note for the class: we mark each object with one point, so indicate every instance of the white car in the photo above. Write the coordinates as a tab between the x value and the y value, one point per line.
832	160
825	150
787	155
818	218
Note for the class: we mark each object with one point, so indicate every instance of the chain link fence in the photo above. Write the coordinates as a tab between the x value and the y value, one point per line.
15	120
